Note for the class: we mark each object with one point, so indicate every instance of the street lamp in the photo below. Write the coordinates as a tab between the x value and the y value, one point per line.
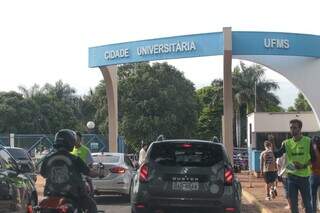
90	125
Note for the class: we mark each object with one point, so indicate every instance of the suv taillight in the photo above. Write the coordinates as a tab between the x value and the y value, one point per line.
228	176
118	170
144	172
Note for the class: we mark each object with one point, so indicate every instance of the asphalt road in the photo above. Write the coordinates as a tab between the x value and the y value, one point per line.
117	204
113	204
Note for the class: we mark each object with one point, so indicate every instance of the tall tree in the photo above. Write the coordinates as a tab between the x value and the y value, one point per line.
251	90
16	113
155	100
210	112
54	107
300	104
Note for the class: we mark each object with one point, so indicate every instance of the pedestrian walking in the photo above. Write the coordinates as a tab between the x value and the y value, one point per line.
271	139
299	153
268	169
143	152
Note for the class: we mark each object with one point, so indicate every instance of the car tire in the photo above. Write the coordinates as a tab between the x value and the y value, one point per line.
127	197
34	199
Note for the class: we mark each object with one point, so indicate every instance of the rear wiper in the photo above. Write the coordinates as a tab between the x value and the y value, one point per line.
161	160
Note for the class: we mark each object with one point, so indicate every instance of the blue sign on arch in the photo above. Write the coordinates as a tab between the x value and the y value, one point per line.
270	43
157	49
209	44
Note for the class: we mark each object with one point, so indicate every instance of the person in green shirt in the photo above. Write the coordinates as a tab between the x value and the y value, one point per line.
299	154
82	151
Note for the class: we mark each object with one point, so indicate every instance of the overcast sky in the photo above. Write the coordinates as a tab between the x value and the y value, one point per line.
44	41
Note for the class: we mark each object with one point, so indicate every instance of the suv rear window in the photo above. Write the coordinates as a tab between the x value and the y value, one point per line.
198	154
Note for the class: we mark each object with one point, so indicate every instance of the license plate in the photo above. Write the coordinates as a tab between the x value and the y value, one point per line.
185	186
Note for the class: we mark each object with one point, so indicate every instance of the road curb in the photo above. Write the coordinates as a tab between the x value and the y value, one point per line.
251	199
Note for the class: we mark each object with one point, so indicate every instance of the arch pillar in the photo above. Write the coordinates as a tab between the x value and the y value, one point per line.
111	79
227	127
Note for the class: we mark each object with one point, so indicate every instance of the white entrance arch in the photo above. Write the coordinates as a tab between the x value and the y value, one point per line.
303	72
295	56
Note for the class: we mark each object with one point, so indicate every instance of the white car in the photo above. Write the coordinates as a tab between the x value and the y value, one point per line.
118	170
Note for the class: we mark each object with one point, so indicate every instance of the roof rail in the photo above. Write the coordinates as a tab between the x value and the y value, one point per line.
160	138
215	139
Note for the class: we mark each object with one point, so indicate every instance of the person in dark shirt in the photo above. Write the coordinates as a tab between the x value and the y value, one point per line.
315	172
63	170
268	169
299	154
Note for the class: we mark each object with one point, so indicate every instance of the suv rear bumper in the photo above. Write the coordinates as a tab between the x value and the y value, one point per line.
165	202
183	202
228	199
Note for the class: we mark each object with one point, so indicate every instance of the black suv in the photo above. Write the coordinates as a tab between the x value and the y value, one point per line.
17	191
183	175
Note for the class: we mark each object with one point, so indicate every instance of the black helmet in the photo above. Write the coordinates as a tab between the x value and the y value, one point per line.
65	138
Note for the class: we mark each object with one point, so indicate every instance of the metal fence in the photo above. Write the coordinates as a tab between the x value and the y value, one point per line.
42	143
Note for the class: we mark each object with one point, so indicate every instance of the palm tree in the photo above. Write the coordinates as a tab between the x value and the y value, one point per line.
249	83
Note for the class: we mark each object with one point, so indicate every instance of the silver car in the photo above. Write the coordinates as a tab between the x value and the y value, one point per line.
118	170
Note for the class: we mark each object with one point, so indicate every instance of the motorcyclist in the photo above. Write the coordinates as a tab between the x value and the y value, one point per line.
63	171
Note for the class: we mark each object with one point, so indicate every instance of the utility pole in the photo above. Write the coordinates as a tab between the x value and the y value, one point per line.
255	96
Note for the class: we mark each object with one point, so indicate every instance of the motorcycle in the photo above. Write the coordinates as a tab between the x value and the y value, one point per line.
63	204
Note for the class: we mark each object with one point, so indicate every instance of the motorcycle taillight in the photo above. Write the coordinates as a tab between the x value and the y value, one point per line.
29	209
63	209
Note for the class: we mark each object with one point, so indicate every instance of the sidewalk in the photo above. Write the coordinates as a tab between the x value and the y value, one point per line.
257	192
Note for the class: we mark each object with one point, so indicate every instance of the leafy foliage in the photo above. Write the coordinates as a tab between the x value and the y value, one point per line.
300	104
155	100
43	110
211	111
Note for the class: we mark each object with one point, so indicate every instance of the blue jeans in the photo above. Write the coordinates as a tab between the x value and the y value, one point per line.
285	186
302	184
314	184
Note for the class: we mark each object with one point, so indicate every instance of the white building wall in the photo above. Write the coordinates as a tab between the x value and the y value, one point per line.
278	122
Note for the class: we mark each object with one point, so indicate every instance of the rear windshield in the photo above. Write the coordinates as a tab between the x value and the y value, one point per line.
186	154
18	154
106	158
